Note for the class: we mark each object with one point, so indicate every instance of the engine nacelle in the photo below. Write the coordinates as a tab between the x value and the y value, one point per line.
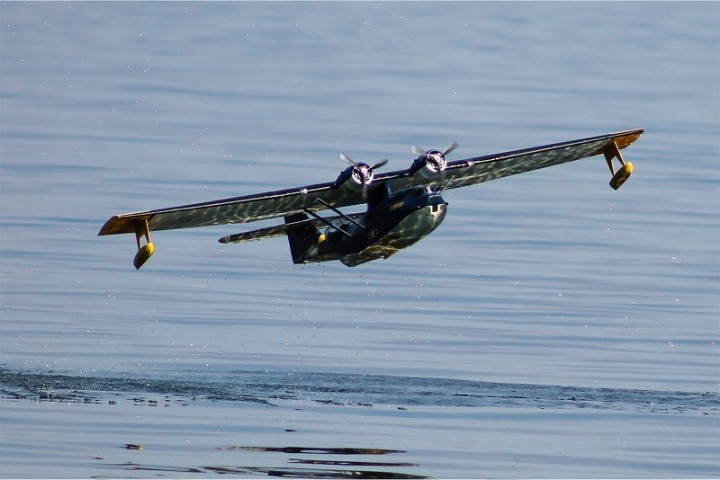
356	177
429	164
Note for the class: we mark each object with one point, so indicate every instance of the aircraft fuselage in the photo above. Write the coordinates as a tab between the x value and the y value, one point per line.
394	223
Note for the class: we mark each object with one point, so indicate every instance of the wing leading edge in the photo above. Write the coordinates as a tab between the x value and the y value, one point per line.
279	203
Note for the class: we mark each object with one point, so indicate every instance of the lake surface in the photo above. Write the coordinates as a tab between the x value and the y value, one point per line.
551	327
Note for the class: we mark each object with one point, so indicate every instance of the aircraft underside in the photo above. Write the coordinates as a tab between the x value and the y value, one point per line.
377	240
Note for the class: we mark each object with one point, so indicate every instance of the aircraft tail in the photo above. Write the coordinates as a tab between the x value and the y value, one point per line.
303	238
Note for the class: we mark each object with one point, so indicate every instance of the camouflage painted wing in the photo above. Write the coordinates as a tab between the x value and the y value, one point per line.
482	169
280	203
243	209
462	173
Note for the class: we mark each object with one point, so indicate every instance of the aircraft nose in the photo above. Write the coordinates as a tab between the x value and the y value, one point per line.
438	211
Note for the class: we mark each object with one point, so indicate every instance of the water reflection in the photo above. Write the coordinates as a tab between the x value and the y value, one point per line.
352	468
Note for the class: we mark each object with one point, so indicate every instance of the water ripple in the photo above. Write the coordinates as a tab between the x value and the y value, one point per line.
348	389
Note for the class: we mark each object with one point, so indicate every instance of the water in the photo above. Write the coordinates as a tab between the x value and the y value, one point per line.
352	426
550	328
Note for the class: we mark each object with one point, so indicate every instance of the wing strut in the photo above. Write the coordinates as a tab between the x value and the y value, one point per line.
612	151
328	222
144	251
340	213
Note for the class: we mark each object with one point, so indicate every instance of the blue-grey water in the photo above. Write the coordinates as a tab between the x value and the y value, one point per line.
551	327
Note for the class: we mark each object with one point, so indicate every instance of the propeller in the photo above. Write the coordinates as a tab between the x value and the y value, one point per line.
434	159
421	151
362	172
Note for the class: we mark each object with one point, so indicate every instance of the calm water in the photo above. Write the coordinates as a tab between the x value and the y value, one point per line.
550	328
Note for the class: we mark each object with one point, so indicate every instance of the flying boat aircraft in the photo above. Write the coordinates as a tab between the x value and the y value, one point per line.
403	206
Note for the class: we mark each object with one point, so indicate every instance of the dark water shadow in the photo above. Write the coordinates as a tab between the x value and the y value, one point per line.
268	388
343	468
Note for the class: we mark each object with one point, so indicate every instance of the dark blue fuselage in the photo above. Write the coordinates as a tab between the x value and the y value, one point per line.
389	225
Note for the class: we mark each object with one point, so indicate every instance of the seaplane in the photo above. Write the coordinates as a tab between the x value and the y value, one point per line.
401	207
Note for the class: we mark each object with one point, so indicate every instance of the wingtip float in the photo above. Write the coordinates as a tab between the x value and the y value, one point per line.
612	151
402	206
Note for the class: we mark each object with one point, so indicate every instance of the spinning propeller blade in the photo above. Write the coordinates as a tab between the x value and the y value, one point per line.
449	148
421	151
379	164
417	150
347	159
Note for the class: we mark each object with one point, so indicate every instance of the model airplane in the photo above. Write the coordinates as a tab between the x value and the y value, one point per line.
402	206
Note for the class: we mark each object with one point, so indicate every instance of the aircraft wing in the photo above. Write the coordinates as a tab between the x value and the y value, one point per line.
243	209
318	197
461	173
491	167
